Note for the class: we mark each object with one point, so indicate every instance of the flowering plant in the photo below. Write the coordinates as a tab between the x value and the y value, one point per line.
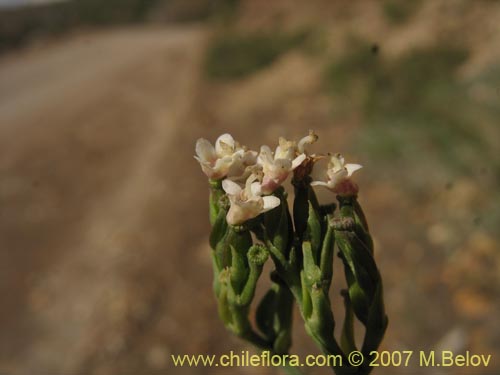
251	222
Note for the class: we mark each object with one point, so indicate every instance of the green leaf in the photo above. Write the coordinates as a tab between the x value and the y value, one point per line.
359	299
347	341
313	233
361	226
216	271
326	262
283	320
376	324
265	314
312	272
223	251
277	224
301	210
257	256
321	319
222	300
239	269
216	193
219	229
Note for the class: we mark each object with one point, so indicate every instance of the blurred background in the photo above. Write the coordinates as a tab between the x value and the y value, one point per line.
104	265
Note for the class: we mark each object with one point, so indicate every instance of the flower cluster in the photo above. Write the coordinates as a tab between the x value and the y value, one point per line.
249	178
252	221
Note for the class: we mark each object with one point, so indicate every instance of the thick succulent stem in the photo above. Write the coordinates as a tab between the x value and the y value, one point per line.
301	246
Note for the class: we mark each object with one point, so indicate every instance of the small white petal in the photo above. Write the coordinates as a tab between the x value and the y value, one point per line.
285	149
236	167
209	171
224	145
230	187
270	202
307	140
341	159
319	172
239	152
336	163
282	165
351	168
256	189
298	160
265	155
319	183
335	177
250	157
241	211
222	166
204	150
235	215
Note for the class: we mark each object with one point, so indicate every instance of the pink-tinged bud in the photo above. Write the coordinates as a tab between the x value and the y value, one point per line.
346	188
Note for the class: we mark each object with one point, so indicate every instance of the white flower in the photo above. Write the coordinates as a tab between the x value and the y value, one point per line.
336	173
227	158
307	140
277	167
285	150
247	203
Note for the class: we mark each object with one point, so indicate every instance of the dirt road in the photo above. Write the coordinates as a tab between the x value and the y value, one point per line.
104	265
92	135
